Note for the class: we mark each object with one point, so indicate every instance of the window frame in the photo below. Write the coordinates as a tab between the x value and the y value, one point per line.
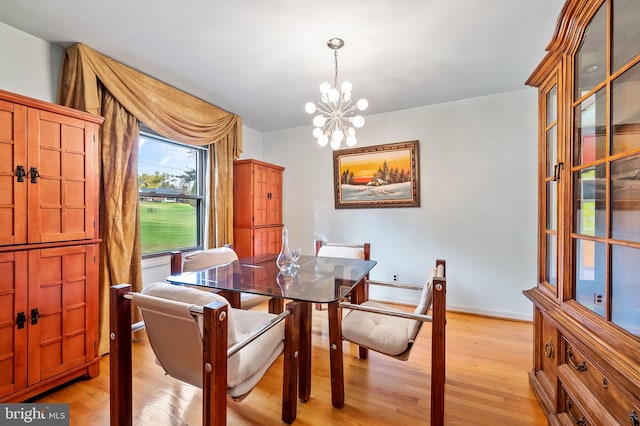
201	192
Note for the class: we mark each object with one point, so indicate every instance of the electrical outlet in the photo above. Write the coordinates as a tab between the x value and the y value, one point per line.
395	278
598	299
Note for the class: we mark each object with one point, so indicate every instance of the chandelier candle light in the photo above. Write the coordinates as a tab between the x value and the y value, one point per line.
335	120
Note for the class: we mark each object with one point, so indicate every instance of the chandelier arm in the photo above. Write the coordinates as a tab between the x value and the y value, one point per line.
342	128
346	106
328	128
323	108
351	109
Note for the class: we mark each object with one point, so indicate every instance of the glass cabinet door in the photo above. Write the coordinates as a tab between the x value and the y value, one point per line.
549	190
605	232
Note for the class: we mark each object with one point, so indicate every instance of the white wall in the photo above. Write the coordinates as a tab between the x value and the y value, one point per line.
30	66
478	162
252	143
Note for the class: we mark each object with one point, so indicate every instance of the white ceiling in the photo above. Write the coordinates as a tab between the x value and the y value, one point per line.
264	59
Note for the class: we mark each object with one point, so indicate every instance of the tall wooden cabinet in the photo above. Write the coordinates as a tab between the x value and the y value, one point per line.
257	207
48	246
587	303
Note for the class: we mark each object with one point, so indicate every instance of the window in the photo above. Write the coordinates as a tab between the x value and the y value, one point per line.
171	193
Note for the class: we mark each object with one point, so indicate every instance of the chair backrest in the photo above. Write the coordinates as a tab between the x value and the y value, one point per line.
426	300
350	251
203	259
174	333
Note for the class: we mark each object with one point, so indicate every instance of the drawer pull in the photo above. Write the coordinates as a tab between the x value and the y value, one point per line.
634	418
580	367
581	421
605	383
548	349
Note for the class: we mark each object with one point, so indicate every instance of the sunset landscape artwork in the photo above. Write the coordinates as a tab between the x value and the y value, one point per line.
378	176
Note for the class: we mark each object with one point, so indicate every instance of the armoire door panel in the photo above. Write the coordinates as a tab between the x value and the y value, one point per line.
61	193
260	241
13	329
58	290
274	212
260	196
13	190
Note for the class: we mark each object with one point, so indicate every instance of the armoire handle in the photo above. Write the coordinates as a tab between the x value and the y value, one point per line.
34	316
20	173
34	174
21	319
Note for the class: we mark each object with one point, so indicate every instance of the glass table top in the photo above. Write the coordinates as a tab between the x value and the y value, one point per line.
317	279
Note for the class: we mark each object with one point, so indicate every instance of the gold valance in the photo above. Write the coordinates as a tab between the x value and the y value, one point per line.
163	108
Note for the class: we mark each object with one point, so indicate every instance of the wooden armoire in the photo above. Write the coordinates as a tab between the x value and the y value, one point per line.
48	246
587	302
257	207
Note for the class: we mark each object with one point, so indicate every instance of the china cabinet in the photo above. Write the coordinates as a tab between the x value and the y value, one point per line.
587	302
257	207
48	246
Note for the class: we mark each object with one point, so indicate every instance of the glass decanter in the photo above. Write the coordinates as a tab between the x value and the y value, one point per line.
284	260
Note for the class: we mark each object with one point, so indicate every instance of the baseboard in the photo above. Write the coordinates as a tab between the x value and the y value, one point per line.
471	310
491	313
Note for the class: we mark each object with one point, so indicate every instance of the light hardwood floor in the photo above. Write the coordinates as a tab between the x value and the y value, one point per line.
486	384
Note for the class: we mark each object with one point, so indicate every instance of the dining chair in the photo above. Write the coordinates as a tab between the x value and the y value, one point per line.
199	339
349	251
393	332
203	259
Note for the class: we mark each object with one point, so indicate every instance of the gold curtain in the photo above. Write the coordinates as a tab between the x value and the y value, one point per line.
97	84
222	155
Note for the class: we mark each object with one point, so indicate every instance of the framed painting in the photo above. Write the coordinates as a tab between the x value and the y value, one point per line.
377	176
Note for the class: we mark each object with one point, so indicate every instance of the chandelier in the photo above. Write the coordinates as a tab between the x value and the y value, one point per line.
335	120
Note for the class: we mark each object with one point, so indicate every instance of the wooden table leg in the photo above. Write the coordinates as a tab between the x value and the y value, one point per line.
232	296
276	306
304	379
335	355
359	295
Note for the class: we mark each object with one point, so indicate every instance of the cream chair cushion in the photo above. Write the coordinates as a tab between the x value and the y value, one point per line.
348	252
203	259
382	333
244	369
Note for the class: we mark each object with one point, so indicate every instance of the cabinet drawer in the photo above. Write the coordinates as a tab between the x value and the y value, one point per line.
618	403
571	412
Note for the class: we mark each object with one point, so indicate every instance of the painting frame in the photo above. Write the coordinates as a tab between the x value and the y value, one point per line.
396	182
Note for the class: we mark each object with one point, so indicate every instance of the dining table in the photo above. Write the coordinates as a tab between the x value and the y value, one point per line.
312	280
